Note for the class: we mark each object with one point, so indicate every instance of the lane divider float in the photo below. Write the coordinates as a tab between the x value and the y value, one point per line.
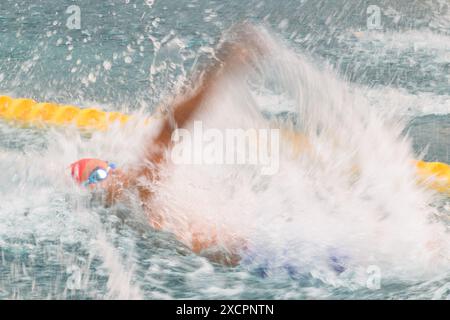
27	112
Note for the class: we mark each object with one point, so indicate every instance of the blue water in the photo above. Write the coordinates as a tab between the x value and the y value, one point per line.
129	55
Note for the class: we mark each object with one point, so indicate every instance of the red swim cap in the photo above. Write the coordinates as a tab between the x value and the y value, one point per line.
81	169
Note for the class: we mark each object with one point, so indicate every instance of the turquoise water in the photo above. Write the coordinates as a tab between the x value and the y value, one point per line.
129	55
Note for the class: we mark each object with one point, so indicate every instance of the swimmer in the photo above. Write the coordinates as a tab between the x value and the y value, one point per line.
101	175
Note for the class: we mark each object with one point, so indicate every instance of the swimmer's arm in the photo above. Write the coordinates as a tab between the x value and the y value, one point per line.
243	49
217	244
230	57
181	113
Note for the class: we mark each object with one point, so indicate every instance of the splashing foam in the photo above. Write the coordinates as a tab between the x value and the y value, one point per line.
55	210
351	195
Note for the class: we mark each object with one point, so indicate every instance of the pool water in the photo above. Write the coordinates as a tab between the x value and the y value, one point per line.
378	94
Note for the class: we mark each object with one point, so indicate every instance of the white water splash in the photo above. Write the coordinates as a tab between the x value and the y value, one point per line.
353	193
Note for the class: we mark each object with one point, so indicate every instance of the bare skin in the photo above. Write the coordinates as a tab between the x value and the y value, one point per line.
200	236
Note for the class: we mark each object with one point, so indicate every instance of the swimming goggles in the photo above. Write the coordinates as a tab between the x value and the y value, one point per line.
99	174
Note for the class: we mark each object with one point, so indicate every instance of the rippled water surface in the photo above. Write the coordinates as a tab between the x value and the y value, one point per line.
364	89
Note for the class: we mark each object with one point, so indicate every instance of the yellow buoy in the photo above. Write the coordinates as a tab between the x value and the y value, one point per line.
29	112
17	109
435	175
40	114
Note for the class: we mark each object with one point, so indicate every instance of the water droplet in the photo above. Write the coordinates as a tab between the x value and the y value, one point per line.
107	65
92	78
283	24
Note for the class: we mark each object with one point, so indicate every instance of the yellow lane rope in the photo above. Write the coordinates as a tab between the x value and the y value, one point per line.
27	112
435	175
30	113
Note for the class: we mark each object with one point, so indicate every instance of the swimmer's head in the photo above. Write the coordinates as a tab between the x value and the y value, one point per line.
91	171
